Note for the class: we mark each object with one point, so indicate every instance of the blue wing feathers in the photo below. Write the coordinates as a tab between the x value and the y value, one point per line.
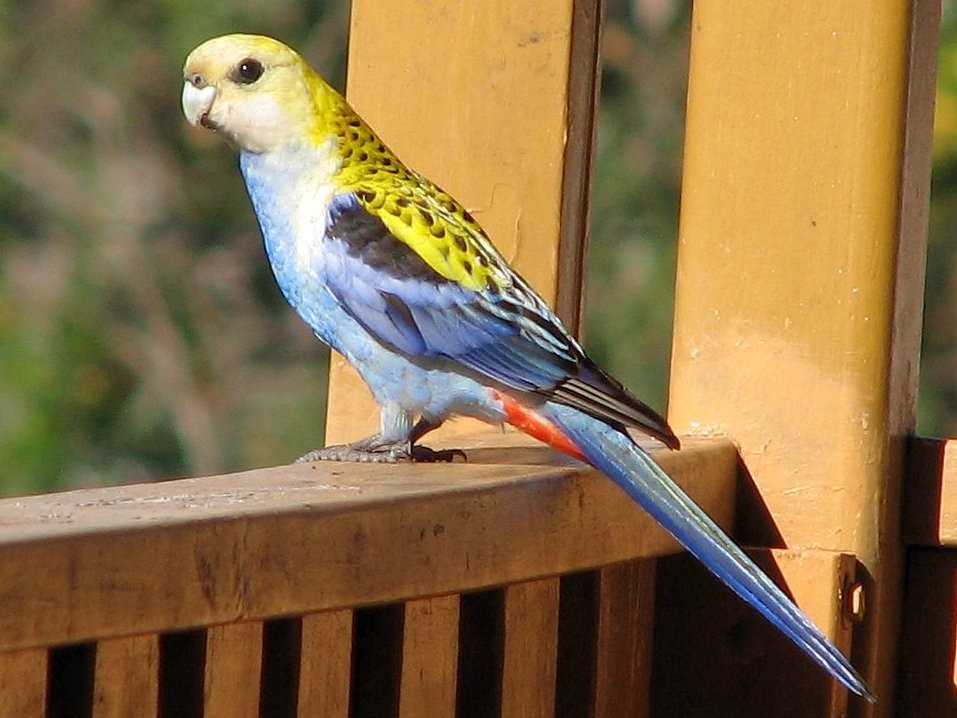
510	337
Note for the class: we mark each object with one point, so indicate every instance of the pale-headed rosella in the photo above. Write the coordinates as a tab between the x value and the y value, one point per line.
393	273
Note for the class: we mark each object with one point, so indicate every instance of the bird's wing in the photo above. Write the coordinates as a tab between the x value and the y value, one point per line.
420	275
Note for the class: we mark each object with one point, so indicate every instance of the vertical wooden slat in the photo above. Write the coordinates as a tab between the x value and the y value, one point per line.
429	657
800	268
531	644
127	677
482	107
625	629
23	683
584	75
233	665
325	668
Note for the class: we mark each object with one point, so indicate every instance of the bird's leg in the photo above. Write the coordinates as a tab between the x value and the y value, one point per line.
395	442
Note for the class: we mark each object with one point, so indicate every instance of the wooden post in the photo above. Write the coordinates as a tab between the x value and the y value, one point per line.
800	271
495	102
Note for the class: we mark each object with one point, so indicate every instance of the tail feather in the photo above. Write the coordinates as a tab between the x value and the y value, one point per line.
629	466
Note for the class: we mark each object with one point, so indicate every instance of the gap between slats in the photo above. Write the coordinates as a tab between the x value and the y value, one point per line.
564	646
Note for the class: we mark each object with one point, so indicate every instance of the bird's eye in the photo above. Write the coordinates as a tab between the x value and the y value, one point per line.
248	71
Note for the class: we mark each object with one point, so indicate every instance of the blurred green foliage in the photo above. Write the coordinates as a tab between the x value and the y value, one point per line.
938	380
634	211
141	334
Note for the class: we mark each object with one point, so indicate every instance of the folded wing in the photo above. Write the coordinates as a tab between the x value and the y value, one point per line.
406	292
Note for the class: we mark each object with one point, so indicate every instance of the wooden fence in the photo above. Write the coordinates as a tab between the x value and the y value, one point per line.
521	584
513	583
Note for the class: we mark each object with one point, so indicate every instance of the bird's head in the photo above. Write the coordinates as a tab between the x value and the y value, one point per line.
256	91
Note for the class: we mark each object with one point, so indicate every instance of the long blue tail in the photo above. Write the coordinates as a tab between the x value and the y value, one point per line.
629	466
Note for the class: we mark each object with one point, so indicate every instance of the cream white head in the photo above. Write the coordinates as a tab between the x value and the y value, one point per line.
255	90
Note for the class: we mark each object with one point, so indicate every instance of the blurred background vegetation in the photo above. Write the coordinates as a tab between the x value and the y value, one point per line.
141	335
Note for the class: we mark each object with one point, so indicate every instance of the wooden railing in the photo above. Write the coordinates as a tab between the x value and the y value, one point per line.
517	584
520	584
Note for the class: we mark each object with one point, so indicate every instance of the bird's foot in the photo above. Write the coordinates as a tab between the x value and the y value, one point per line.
375	450
425	455
350	453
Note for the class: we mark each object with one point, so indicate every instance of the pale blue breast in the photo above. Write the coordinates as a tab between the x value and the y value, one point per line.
291	206
291	217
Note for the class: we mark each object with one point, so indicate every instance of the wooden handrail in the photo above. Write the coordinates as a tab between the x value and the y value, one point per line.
520	579
94	563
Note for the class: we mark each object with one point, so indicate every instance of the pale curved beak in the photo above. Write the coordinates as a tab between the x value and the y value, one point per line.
197	102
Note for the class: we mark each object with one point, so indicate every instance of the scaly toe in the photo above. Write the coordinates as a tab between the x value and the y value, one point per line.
346	452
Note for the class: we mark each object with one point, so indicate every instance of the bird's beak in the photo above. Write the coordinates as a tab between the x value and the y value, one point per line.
197	102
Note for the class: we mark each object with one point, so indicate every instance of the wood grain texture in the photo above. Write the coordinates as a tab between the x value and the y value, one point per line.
23	683
126	682
801	266
491	118
108	562
233	669
626	619
325	668
429	657
584	76
530	654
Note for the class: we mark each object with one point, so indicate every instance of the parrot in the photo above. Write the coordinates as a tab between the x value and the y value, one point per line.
398	277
